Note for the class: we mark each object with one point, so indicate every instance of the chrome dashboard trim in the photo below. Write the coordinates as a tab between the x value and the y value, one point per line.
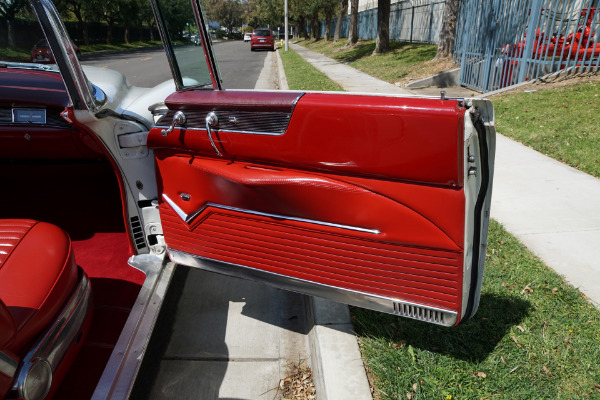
398	307
227	131
188	218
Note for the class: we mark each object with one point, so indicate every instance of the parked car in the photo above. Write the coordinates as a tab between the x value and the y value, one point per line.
42	54
377	201
247	36
197	39
262	38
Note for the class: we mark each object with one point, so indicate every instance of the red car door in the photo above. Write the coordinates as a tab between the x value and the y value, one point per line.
377	201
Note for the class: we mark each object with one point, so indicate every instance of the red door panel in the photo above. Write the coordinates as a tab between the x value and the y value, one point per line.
356	195
413	139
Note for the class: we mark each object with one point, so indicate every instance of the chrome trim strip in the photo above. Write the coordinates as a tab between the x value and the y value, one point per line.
227	131
340	295
294	104
187	218
57	340
8	365
124	363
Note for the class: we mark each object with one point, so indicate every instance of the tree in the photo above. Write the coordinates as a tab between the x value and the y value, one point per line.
329	7
448	31
79	9
353	29
227	12
382	44
9	10
338	25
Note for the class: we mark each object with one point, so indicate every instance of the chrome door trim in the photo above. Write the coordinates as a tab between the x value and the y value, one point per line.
124	363
188	218
371	301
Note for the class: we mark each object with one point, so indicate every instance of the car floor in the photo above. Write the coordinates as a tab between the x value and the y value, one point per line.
83	198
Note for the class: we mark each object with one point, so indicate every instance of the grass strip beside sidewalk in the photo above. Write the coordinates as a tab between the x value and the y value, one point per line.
533	337
404	62
563	123
301	75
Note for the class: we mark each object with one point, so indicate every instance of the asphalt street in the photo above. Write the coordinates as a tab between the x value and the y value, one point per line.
239	67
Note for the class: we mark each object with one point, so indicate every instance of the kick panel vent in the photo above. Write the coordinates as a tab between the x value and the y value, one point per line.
419	313
138	233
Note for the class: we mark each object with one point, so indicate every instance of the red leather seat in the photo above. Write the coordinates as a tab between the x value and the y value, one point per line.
37	275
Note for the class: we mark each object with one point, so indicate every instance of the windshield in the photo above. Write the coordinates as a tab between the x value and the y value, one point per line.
262	32
188	62
23	45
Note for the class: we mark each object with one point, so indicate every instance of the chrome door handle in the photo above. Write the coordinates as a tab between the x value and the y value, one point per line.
212	121
178	119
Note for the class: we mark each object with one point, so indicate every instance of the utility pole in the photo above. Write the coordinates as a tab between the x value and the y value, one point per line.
286	25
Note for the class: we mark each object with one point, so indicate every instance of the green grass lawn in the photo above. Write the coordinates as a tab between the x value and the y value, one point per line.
17	55
92	48
534	336
303	76
563	123
393	66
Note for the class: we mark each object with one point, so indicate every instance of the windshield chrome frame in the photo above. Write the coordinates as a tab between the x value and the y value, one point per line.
78	87
204	40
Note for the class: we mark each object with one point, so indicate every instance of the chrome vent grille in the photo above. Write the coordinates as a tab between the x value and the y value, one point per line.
273	123
138	233
420	313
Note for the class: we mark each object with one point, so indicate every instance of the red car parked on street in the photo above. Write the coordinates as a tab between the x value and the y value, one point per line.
262	38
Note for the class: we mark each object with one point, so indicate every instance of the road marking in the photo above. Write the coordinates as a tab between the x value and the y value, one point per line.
146	59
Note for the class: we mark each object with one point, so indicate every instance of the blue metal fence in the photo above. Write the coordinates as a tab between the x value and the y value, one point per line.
410	20
503	42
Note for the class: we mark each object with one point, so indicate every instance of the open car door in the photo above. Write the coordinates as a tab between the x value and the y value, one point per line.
377	201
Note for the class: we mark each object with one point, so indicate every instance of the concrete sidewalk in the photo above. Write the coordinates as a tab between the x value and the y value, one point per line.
552	208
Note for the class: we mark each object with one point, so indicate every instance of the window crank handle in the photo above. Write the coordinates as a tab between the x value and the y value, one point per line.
178	119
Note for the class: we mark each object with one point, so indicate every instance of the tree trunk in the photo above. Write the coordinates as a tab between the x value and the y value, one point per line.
149	23
126	35
86	34
382	44
328	18
448	31
315	26
11	34
302	27
109	33
353	30
338	25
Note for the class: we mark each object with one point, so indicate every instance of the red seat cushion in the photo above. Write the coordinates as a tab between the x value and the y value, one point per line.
37	275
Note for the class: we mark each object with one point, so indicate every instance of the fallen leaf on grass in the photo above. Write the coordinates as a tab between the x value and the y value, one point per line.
555	290
516	342
408	395
519	327
502	360
399	344
481	375
546	370
415	386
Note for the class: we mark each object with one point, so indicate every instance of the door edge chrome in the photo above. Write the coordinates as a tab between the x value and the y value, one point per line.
397	307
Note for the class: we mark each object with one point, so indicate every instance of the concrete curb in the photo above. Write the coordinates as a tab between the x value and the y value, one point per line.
281	79
441	80
336	362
